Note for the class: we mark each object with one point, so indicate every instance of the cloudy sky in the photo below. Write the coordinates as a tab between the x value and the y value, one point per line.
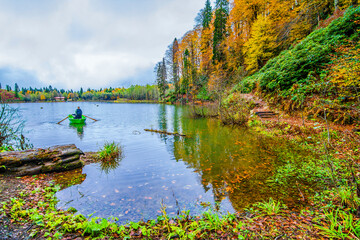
88	43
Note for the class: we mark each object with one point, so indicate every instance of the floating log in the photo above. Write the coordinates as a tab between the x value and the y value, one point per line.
165	132
267	114
37	161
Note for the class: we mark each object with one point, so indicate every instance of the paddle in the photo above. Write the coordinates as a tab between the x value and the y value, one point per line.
91	118
63	120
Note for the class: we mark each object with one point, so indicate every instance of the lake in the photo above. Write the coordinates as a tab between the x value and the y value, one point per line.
218	166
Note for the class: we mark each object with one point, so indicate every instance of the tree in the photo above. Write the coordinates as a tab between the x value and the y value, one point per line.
261	45
186	73
172	60
221	16
11	129
161	76
16	88
204	17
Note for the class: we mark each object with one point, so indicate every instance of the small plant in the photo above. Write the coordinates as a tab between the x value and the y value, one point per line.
271	207
109	152
340	225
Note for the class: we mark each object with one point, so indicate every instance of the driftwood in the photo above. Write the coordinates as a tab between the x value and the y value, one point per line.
36	161
165	132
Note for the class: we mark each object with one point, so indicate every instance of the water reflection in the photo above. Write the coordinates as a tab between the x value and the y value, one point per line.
79	127
70	178
112	164
227	167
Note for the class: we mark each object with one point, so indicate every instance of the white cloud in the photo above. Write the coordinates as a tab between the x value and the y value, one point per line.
90	43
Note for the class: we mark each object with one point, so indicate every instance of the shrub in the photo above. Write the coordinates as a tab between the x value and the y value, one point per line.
236	110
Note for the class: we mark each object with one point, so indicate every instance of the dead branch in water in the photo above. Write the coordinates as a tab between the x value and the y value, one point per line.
165	132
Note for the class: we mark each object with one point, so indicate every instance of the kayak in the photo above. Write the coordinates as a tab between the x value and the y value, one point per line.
77	121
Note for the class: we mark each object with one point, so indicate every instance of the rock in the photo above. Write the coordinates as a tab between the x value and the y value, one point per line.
36	161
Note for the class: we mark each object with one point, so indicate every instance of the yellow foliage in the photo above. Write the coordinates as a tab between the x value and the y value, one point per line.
344	72
261	45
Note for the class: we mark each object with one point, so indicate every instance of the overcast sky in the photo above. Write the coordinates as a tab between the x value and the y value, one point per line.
88	43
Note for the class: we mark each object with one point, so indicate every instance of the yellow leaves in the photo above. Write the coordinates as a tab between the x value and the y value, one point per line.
261	45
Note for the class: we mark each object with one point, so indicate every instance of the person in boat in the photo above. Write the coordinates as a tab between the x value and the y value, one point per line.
78	113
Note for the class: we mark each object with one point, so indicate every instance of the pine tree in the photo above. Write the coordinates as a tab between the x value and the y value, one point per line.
173	64
207	15
16	90
221	16
186	73
161	75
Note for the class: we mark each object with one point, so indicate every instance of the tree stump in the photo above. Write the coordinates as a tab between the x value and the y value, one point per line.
37	161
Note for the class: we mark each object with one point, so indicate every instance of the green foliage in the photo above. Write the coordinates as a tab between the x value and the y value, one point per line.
109	152
308	57
340	225
221	16
161	76
271	207
235	109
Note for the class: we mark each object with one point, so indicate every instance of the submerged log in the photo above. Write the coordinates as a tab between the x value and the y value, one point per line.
36	161
165	132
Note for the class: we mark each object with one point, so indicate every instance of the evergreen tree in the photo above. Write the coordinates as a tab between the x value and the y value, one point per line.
204	16
161	77
16	90
186	73
221	16
173	63
207	15
8	88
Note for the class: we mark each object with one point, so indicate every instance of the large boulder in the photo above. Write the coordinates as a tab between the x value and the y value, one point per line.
36	161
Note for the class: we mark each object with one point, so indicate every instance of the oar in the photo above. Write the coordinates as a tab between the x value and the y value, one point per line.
63	120
91	118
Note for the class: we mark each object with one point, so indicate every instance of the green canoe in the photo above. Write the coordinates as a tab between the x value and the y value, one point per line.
77	121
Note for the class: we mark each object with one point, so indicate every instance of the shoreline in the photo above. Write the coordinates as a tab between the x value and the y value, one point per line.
252	221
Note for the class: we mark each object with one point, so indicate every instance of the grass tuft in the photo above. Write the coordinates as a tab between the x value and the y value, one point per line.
110	152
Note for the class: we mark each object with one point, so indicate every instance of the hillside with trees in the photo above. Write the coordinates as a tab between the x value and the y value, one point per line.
294	52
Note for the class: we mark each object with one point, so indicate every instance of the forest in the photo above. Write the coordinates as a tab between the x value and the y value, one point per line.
135	92
294	52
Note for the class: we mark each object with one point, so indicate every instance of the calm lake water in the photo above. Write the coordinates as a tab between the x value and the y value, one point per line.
223	166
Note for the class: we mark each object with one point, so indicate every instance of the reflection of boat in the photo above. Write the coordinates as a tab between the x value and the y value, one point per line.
77	121
79	128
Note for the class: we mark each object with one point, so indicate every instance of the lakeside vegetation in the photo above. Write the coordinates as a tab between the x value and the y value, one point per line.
231	52
133	93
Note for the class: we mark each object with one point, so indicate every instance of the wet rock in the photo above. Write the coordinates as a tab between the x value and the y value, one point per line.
36	161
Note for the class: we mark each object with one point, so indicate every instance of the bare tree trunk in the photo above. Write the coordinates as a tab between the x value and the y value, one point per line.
327	126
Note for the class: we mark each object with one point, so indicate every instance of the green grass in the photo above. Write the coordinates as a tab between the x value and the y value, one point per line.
340	225
270	207
109	152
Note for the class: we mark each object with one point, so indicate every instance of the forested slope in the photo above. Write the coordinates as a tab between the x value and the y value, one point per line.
321	72
297	50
